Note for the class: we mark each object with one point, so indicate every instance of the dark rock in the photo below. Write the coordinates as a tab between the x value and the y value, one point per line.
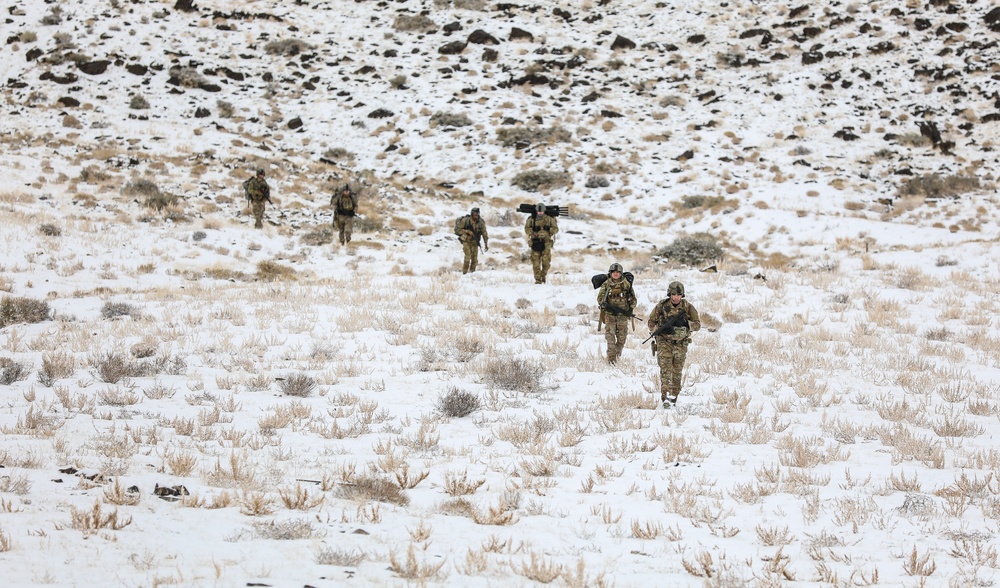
295	123
68	102
201	112
922	24
992	19
210	87
481	37
798	11
847	134
611	114
185	6
991	117
517	34
563	14
233	75
928	128
490	55
622	43
452	27
94	68
34	53
453	48
590	97
136	69
696	39
689	154
380	113
811	57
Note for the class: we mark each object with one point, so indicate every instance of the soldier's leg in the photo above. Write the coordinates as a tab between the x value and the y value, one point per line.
609	337
473	256
466	258
338	227
665	360
679	355
536	265
348	228
546	262
258	214
620	330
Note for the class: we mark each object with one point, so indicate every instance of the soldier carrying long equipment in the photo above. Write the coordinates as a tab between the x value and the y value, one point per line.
668	325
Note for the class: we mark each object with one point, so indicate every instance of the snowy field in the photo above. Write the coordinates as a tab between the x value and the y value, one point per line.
188	401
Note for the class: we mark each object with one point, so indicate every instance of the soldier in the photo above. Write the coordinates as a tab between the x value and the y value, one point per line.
345	205
617	301
257	192
540	229
469	229
671	345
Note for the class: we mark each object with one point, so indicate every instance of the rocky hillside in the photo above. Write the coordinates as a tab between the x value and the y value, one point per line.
625	106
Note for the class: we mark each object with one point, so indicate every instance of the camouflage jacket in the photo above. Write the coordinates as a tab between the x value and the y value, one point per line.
257	190
477	228
543	226
344	204
617	297
664	311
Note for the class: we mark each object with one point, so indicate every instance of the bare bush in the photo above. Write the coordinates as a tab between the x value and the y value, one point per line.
287	47
525	136
458	403
514	373
272	271
300	385
20	309
335	556
113	310
538	179
447	119
694	250
372	488
418	23
12	371
938	186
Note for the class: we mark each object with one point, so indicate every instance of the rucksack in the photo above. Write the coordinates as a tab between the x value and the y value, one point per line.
345	202
599	279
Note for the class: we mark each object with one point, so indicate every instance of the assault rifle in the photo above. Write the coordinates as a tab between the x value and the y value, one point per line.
550	210
667	325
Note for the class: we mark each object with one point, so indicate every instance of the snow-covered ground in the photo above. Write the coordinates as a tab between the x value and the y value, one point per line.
209	404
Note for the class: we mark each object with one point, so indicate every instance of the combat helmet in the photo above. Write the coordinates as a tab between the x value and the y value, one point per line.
474	210
615	267
675	288
260	171
540	208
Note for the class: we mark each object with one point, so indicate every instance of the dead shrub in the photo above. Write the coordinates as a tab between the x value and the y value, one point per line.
12	371
20	309
514	373
113	310
372	488
272	271
458	403
299	385
938	186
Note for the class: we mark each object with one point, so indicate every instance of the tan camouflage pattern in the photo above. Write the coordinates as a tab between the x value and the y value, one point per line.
544	227
618	297
344	225
258	192
469	231
671	350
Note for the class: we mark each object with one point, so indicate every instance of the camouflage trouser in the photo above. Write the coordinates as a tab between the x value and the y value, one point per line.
471	251
670	357
615	332
344	225
257	208
540	263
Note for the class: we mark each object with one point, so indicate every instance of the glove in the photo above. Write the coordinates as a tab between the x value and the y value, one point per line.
603	306
486	247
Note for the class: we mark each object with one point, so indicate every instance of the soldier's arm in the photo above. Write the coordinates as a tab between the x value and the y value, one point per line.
694	319
651	322
602	294
554	228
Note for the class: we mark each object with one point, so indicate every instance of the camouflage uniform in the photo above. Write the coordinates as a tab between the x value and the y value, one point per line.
469	229
672	347
345	205
617	301
257	192
540	228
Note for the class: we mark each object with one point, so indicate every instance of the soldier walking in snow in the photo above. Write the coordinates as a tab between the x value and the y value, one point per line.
469	229
670	325
257	192
540	229
617	300
345	205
